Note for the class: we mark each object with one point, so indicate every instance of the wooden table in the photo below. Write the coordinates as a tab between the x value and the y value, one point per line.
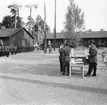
80	65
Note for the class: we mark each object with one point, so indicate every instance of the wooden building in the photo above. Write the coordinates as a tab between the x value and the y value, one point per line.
100	38
16	37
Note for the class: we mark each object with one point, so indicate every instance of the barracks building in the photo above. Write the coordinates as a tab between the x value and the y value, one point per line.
16	37
100	38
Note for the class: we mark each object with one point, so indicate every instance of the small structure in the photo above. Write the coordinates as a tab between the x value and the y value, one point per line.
16	37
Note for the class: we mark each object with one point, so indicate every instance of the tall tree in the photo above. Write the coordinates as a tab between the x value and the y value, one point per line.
39	28
74	22
102	29
39	25
30	24
7	21
20	23
17	20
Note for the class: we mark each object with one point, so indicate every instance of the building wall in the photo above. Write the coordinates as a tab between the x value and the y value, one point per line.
100	42
58	42
31	41
5	41
28	39
40	37
16	39
21	38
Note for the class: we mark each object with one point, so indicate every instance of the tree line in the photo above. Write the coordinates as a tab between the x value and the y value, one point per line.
8	21
74	22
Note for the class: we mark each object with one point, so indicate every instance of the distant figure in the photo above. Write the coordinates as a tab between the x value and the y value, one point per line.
92	59
50	49
1	49
67	51
15	50
104	56
7	51
61	58
45	49
1	43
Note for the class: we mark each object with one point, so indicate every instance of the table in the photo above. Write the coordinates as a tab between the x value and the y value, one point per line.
81	65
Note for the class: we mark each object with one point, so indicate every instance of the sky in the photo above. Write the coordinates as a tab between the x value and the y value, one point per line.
95	12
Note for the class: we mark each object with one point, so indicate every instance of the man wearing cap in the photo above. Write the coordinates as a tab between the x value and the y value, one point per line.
92	59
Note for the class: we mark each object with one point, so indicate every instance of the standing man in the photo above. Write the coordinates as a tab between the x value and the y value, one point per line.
61	57
45	49
92	59
7	51
67	51
50	48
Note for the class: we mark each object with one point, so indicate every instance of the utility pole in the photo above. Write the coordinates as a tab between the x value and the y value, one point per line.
45	23
15	18
45	46
55	27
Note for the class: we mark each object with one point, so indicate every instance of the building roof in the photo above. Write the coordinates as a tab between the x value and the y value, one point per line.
93	34
58	36
11	31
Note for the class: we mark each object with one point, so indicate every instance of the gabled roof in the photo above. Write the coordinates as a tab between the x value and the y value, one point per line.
11	31
93	34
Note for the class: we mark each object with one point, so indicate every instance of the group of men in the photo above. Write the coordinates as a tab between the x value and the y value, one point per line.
64	58
49	47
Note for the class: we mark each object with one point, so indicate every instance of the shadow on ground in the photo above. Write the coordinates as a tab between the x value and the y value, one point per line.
68	86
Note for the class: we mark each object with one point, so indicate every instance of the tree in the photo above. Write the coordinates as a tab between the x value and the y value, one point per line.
102	29
17	20
90	30
39	27
74	22
20	23
30	24
7	21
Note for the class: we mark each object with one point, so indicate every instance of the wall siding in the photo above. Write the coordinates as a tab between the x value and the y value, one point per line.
6	41
21	38
16	39
28	39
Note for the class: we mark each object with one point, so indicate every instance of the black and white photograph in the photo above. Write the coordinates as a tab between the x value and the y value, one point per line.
53	52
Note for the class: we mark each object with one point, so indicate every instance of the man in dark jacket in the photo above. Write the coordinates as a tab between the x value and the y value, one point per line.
61	58
67	51
92	59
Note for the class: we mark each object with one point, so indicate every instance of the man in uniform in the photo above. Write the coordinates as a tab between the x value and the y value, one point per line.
45	49
7	51
66	51
50	48
61	57
92	59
